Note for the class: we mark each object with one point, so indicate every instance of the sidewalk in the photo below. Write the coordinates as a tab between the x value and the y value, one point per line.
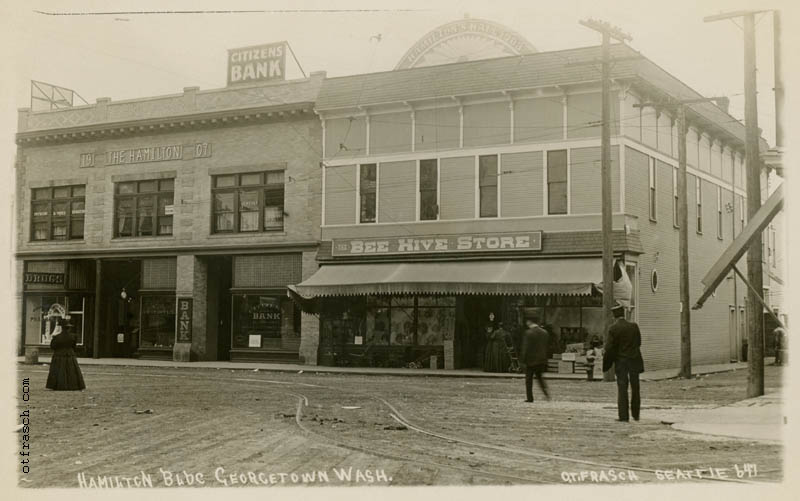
473	373
759	418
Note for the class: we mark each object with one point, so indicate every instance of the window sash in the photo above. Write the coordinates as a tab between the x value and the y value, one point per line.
652	191
264	210
144	212
368	187
54	210
428	190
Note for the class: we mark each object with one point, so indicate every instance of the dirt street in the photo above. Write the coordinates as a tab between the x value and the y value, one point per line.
202	427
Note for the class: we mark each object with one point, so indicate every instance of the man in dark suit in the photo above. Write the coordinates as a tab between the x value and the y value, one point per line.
622	350
534	355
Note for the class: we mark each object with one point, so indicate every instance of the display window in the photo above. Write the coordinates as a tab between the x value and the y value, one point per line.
157	325
43	311
262	321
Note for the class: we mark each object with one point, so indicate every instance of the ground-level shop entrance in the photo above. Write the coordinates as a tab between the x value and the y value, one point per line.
424	313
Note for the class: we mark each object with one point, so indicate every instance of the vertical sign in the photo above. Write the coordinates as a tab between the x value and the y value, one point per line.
184	320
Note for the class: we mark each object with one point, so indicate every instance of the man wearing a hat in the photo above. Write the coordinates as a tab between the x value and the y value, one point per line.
622	350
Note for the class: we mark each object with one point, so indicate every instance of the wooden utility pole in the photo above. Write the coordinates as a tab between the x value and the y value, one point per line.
755	317
683	249
776	33
608	33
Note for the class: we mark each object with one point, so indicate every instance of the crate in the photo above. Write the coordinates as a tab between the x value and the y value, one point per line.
566	367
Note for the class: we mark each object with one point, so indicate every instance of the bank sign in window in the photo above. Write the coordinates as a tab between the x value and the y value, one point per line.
257	319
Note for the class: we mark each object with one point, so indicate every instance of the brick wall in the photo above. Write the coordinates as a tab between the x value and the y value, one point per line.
294	145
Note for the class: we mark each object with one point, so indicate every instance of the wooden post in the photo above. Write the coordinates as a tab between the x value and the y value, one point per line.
97	303
776	23
683	249
607	31
755	382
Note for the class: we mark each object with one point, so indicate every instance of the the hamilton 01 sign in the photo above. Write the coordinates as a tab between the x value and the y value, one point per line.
147	154
482	242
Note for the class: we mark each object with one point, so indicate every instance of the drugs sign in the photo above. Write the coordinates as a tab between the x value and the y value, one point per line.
257	63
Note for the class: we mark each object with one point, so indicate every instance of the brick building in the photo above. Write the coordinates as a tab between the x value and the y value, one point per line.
202	205
457	193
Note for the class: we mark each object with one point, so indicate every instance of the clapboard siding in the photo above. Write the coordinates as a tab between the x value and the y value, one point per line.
585	190
521	184
340	194
397	192
457	185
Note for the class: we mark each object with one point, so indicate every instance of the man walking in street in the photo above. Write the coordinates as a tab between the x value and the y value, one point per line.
622	350
534	355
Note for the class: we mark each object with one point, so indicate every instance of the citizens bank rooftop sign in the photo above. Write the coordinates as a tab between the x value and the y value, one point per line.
257	63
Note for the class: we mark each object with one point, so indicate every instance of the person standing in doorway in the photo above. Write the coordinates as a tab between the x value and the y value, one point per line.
622	349
534	355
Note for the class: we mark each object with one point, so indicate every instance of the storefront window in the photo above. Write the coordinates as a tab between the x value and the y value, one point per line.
157	328
42	313
263	321
436	320
378	321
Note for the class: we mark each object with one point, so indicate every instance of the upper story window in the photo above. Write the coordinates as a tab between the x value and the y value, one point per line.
428	190
719	212
368	184
675	216
250	202
487	180
699	201
557	182
144	208
57	213
652	189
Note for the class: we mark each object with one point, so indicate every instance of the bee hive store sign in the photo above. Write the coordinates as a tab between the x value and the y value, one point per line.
257	63
439	244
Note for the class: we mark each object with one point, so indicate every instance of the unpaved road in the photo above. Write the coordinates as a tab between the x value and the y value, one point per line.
258	428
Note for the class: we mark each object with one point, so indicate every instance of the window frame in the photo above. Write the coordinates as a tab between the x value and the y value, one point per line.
51	219
720	234
698	194
550	183
482	186
264	190
435	210
675	202
365	192
652	193
136	197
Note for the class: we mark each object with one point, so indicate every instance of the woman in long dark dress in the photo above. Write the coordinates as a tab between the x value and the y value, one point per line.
65	374
497	358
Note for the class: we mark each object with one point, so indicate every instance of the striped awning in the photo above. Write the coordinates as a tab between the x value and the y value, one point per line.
513	277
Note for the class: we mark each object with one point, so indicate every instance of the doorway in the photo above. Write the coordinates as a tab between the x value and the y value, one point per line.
472	338
218	322
119	334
